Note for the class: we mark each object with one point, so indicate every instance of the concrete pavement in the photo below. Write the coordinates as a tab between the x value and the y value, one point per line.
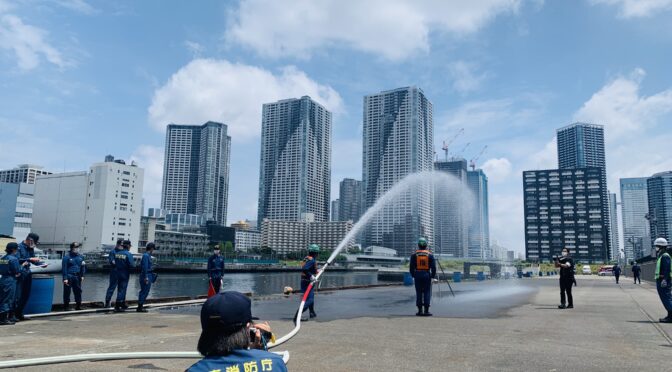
509	325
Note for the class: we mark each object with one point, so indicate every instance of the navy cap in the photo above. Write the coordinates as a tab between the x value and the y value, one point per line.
228	309
11	247
126	242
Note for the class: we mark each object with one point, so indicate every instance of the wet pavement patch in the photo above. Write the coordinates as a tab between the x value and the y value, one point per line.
147	366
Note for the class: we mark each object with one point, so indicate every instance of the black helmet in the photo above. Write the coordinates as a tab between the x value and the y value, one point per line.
74	245
34	237
11	247
150	246
126	243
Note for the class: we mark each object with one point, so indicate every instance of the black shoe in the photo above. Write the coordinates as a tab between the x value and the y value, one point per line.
78	307
141	309
312	315
123	305
11	318
21	318
562	306
66	307
118	308
569	307
107	304
427	313
5	322
419	313
665	320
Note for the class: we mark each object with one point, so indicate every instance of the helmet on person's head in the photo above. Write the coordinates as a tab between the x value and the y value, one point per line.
150	246
313	248
74	245
660	242
422	243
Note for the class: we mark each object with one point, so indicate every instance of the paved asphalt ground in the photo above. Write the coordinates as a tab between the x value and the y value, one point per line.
511	325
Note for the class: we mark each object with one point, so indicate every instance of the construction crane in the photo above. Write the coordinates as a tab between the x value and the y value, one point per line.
464	148
445	145
472	162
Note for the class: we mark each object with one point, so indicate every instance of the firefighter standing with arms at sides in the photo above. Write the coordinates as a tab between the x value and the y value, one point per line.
663	277
147	277
423	270
74	268
113	272
10	272
216	269
123	260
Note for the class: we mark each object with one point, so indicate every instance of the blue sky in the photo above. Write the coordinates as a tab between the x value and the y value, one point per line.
80	79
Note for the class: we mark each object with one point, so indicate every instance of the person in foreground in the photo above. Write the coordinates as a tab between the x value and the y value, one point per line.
663	277
423	270
566	265
230	340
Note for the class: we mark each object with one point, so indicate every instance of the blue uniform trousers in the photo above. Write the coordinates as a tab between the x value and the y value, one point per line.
423	288
122	285
23	287
310	300
144	289
7	293
665	295
74	284
111	287
216	283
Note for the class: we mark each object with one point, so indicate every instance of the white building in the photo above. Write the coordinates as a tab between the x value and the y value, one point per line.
95	208
291	236
24	173
247	240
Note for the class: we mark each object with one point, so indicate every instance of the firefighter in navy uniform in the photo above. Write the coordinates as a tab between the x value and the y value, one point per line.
423	270
123	260
10	271
74	268
113	272
308	274
216	269
663	277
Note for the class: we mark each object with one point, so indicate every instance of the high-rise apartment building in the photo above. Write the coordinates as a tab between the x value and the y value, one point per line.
479	226
613	226
295	170
196	170
634	209
24	173
335	204
398	141
563	208
659	188
16	208
94	208
350	200
452	209
581	145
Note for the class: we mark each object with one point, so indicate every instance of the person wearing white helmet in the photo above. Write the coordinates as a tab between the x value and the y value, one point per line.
664	277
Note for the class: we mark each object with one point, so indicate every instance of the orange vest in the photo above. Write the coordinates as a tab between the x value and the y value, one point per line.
422	260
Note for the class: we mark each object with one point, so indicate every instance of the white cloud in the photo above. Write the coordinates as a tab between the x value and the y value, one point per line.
231	93
637	8
623	111
394	29
150	158
80	6
497	169
465	77
194	48
27	42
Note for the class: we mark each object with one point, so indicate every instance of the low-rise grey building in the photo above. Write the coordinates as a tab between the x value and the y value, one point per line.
291	236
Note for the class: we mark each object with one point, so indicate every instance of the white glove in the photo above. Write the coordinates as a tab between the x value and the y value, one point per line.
663	283
313	279
435	280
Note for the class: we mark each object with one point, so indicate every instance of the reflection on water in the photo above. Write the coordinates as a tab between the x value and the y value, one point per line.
171	285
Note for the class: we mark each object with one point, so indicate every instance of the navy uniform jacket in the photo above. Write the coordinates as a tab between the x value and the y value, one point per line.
413	266
215	266
617	270
241	360
73	265
309	268
110	258
24	254
665	267
567	272
146	267
123	261
9	267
